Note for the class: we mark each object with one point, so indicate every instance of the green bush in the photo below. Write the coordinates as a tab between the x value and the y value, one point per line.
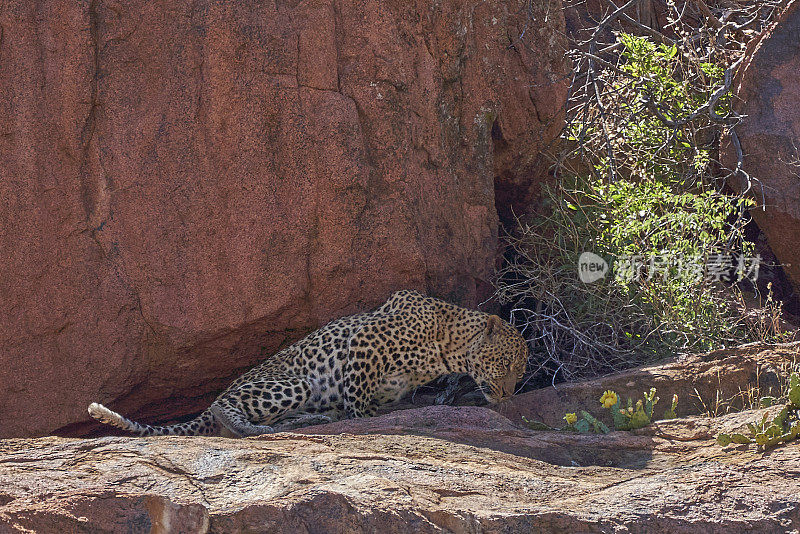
621	320
630	418
650	207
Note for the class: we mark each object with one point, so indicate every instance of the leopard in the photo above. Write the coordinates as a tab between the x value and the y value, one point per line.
355	365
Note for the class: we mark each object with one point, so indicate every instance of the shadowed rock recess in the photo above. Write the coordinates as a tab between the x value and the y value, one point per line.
187	186
435	469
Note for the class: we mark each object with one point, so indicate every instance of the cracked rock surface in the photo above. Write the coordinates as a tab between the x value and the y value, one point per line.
460	469
667	479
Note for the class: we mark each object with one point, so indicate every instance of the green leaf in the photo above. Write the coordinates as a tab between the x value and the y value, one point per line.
794	431
780	419
794	390
536	425
763	422
582	426
776	440
598	426
639	419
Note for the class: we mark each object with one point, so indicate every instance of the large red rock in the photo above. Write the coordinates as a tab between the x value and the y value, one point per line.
185	187
768	93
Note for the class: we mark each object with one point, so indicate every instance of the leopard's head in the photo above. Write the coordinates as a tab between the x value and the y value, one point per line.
498	359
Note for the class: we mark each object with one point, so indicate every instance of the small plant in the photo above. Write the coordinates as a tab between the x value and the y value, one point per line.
754	395
638	416
538	425
598	427
629	418
765	320
671	411
767	433
586	424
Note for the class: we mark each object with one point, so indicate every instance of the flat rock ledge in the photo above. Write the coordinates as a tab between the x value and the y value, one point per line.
434	469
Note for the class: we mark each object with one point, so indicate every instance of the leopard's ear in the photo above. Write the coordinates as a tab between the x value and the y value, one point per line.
493	325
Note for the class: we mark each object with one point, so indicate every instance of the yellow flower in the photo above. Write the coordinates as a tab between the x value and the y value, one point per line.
571	418
608	399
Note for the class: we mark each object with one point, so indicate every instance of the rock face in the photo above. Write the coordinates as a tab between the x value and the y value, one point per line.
434	469
768	93
185	187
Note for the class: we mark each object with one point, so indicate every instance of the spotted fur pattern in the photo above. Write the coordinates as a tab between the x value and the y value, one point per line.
355	364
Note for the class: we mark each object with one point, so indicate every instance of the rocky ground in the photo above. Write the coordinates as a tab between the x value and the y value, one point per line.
431	469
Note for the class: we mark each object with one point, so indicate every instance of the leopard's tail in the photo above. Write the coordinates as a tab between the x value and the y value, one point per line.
203	425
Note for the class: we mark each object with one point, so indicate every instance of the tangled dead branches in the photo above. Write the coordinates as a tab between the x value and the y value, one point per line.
599	106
